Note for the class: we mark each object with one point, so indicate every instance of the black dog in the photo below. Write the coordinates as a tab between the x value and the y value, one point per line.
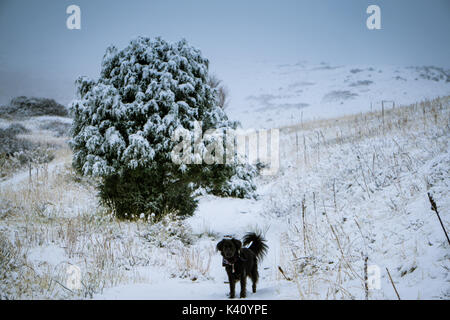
241	263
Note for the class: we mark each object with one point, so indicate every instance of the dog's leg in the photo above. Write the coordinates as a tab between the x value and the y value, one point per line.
243	285
255	277
232	286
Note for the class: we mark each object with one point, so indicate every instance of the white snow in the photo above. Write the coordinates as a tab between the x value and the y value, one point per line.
51	254
379	209
365	193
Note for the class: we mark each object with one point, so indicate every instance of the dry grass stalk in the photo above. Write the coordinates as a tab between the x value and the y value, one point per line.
434	208
393	285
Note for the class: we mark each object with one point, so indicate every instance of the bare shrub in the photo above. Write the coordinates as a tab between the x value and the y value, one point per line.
168	231
23	107
10	143
222	90
193	263
61	129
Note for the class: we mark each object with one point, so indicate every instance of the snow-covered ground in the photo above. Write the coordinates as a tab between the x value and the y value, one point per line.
348	187
218	217
365	195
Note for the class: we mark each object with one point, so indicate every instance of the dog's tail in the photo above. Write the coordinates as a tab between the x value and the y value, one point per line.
258	245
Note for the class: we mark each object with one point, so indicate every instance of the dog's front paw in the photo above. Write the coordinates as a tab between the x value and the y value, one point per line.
231	296
243	295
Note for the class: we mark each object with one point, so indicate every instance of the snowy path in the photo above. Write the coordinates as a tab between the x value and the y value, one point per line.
23	176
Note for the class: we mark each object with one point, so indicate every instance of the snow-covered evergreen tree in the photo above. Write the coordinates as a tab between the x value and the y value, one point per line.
124	123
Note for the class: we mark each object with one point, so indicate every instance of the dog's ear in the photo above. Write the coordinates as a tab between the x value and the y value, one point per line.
219	246
237	243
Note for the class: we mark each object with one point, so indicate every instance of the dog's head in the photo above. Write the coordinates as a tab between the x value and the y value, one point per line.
229	247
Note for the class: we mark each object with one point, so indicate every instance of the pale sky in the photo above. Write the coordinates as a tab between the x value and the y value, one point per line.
40	56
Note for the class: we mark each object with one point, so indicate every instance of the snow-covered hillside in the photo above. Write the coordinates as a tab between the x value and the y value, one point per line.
265	95
348	188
